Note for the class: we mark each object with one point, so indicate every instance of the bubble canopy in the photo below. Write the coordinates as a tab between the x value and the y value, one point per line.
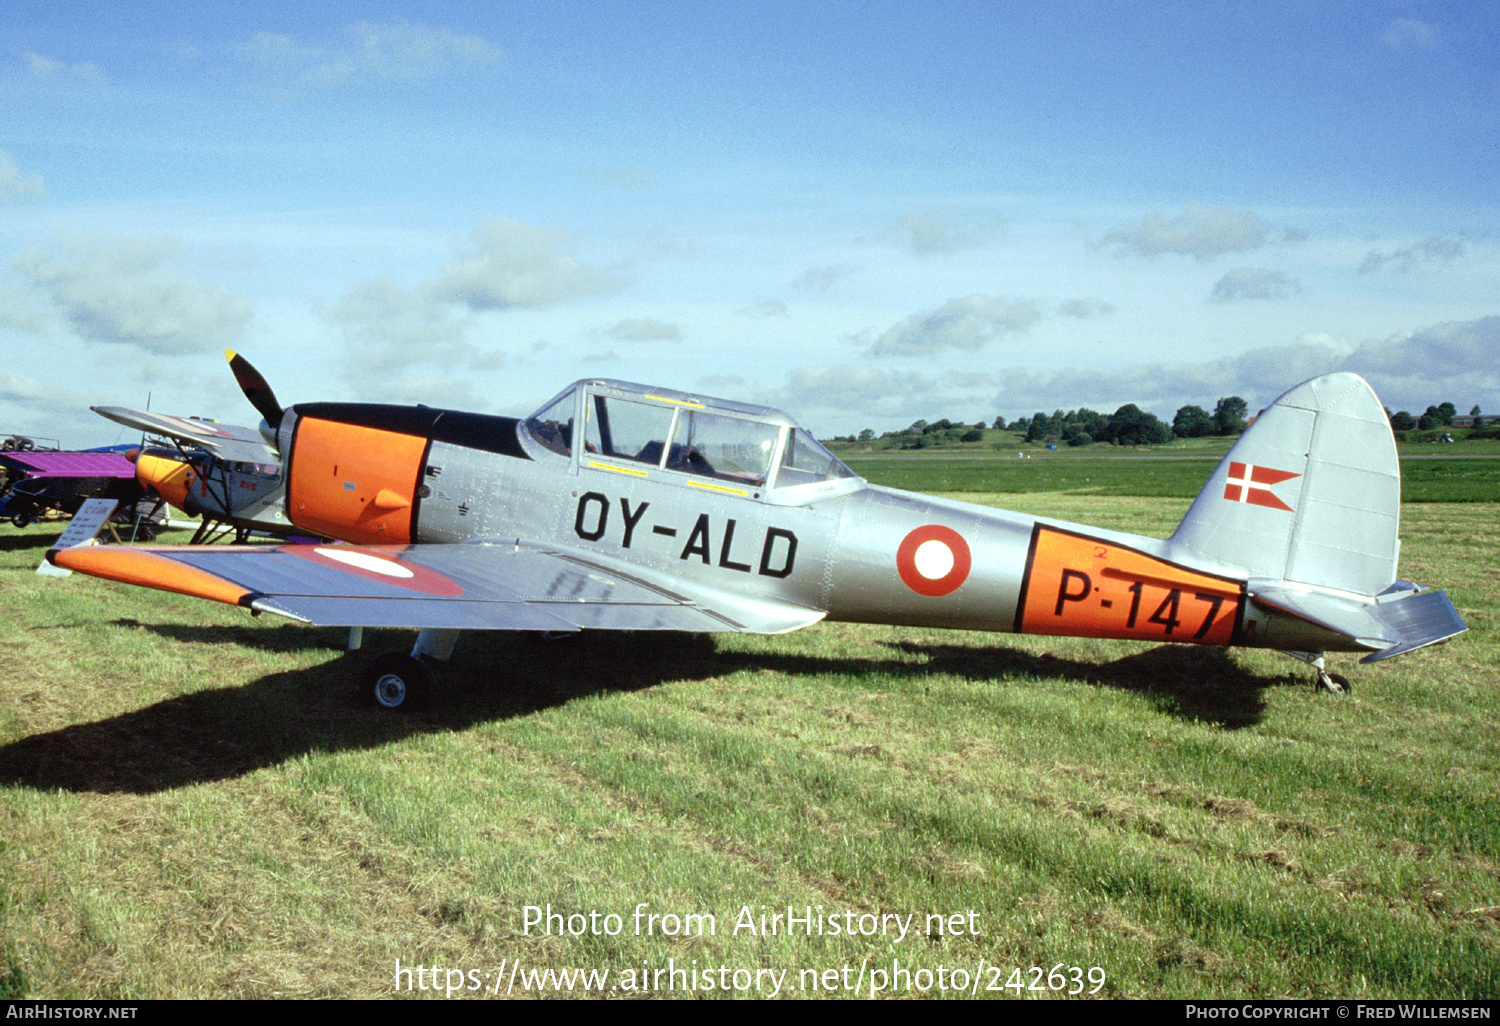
746	447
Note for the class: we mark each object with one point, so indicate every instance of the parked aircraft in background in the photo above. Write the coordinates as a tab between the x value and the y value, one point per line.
35	482
623	507
226	475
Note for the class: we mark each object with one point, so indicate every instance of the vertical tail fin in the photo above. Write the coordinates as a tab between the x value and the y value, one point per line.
1310	494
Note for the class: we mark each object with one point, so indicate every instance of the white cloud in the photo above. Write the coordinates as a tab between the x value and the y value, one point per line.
19	310
508	264
394	51
13	183
1153	387
45	69
398	335
1411	370
1199	231
18	389
764	309
125	292
402	51
275	52
1269	371
950	229
644	329
968	323
819	279
1254	283
388	315
1085	308
400	341
830	394
1453	361
1428	252
1409	34
722	385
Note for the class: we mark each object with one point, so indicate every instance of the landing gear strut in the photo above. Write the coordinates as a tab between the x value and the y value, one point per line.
1333	683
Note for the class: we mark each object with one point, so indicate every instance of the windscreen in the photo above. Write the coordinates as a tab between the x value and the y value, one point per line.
805	461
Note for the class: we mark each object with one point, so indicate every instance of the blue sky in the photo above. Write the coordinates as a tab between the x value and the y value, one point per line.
863	213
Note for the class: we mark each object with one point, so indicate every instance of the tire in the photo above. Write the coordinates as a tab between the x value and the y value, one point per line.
396	682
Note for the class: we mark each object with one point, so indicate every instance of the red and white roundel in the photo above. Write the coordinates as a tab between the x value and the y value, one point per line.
933	560
378	563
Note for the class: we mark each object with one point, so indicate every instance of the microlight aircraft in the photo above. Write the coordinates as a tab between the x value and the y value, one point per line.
623	507
35	482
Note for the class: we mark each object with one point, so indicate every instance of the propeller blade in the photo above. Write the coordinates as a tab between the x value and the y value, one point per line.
255	388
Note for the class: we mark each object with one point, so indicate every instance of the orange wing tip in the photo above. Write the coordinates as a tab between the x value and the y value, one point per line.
147	569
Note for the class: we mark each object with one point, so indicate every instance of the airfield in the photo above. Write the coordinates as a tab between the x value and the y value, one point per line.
194	803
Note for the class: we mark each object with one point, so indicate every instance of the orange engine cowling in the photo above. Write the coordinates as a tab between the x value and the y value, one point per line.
354	482
171	475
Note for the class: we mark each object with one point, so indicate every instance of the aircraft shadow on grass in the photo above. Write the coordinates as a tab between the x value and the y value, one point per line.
222	733
14	542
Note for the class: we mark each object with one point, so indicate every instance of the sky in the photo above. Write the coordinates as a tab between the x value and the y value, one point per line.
862	213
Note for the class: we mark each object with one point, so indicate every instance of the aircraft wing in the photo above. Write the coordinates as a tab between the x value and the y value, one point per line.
41	463
477	586
227	441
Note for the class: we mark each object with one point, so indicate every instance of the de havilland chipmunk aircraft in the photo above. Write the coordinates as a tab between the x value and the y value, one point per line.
622	507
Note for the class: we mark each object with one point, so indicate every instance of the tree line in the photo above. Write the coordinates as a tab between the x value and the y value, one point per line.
1129	425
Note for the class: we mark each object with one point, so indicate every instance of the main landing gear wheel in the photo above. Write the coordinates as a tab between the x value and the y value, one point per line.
396	681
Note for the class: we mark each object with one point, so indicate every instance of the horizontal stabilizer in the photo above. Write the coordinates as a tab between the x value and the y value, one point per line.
1420	619
1349	617
1396	622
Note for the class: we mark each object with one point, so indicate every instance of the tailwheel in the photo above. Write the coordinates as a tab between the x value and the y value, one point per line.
1333	683
396	681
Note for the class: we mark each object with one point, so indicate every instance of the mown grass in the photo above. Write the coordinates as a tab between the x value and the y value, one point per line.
193	804
1424	478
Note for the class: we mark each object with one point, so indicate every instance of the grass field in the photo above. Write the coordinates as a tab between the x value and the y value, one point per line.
193	804
1424	477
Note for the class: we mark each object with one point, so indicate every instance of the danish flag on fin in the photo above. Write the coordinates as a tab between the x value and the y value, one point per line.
1252	484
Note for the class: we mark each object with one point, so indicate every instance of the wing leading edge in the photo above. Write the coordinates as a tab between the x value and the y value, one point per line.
228	441
472	586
